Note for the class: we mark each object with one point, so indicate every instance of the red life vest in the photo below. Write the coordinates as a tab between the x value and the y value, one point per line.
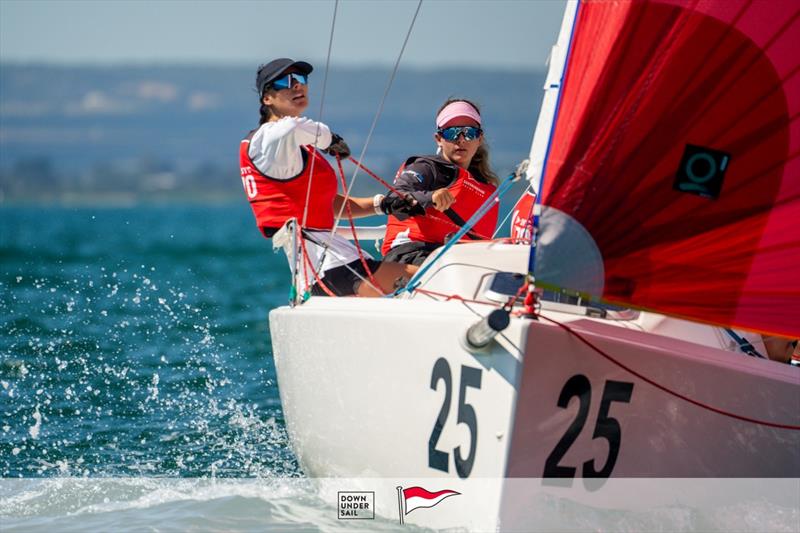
275	201
435	226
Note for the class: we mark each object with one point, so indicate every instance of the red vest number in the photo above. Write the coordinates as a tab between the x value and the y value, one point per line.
249	183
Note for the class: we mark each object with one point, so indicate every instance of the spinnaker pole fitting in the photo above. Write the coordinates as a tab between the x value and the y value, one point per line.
481	333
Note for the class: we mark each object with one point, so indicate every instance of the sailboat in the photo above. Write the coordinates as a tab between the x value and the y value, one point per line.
665	172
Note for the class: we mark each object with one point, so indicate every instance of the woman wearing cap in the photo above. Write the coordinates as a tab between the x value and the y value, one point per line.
450	186
285	176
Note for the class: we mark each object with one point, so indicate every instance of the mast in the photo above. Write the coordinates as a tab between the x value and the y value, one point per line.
552	90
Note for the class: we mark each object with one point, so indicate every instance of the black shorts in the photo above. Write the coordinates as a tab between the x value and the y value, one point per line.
343	280
411	253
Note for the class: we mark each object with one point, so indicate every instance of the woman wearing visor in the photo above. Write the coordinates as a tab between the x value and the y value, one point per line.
449	188
285	176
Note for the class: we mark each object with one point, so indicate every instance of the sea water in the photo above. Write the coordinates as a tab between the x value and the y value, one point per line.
138	390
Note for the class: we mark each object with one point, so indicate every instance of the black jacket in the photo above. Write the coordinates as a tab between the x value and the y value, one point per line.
423	174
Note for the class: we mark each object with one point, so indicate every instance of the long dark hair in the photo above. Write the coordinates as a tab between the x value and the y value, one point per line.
480	161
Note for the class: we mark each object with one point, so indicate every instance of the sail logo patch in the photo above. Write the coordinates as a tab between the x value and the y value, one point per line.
416	175
701	171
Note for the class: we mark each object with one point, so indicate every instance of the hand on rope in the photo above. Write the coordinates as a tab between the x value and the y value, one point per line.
402	204
338	148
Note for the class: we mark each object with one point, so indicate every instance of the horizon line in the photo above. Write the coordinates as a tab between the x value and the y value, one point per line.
129	63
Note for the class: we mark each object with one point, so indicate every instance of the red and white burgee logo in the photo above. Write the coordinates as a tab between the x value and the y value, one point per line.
522	218
416	497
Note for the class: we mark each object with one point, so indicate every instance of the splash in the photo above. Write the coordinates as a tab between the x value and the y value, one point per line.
119	370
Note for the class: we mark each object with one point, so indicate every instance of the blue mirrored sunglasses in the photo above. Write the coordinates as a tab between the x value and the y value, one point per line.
470	133
287	81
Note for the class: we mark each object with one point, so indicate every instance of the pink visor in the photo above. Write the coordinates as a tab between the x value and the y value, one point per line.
456	110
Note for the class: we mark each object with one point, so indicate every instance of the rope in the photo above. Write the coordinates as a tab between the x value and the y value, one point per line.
482	210
441	220
378	114
448	297
744	344
361	257
307	263
376	177
319	118
500	225
667	390
324	246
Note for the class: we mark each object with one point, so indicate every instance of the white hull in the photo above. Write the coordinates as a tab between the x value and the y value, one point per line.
364	381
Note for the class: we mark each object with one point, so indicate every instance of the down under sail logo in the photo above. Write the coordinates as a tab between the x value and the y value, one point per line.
416	497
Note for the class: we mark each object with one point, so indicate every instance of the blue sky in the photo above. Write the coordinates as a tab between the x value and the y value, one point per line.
514	34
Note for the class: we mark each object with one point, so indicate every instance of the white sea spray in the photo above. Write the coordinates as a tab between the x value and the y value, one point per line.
37	426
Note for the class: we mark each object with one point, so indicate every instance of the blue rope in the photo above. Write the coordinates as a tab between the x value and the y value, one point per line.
744	344
413	283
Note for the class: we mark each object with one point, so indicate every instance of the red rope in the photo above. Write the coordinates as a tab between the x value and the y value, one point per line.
669	391
448	297
445	221
375	176
307	262
353	230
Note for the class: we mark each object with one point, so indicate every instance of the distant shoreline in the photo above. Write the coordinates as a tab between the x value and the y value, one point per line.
122	200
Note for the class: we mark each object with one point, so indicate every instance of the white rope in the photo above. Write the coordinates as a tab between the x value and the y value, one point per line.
319	117
500	225
377	116
309	236
316	134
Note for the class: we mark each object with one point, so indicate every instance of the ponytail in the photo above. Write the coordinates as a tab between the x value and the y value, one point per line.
265	114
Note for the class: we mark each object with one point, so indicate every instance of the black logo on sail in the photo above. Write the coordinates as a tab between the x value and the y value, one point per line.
701	171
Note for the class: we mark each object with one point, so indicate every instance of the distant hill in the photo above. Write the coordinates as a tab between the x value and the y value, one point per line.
173	131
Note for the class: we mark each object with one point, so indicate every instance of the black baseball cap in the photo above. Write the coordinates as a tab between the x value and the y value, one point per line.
271	71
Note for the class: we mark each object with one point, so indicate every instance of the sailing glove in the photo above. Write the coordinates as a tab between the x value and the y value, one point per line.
338	147
405	205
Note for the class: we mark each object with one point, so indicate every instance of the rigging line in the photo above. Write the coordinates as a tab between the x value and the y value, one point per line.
377	115
482	210
319	117
500	225
325	246
562	80
376	177
663	388
307	263
743	344
355	236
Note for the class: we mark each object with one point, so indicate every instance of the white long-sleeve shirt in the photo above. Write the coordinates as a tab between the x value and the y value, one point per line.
275	151
275	146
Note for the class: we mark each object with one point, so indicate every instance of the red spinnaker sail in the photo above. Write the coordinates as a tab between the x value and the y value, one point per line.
676	146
